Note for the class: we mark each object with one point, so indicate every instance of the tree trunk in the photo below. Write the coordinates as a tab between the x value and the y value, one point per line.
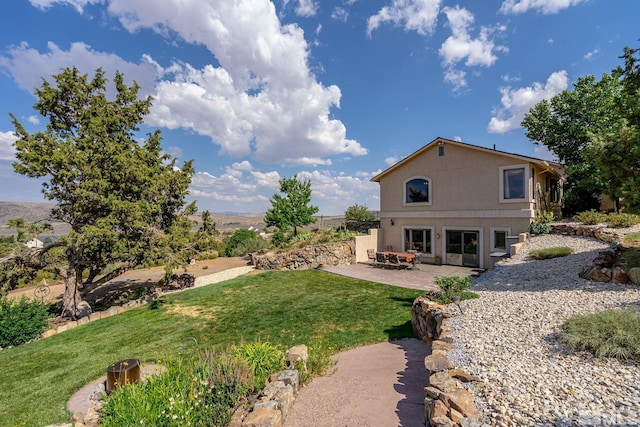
71	297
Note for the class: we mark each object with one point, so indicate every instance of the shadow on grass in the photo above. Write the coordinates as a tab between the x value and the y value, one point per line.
400	331
406	302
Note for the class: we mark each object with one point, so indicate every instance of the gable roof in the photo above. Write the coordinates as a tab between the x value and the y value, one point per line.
554	167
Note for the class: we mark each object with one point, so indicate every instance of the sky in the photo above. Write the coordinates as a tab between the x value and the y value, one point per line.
331	91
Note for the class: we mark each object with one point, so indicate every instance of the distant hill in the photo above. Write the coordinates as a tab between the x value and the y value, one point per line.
31	212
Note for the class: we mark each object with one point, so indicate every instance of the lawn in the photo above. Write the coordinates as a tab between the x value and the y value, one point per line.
285	308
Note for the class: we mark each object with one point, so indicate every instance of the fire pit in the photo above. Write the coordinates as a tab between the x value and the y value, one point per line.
123	372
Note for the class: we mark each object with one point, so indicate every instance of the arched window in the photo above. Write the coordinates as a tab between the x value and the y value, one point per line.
417	190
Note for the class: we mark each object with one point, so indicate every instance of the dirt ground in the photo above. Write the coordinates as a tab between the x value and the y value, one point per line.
133	279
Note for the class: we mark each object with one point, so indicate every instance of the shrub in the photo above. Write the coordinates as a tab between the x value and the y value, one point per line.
301	237
622	220
202	256
452	286
178	397
263	359
238	237
548	253
358	213
229	378
256	244
21	321
542	223
319	363
279	238
609	333
591	217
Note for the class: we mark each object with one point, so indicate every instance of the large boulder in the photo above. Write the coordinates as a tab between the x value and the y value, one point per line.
634	275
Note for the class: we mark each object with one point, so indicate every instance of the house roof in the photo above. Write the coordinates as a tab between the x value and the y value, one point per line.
555	168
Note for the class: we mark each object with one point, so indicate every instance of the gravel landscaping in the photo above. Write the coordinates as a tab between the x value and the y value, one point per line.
510	339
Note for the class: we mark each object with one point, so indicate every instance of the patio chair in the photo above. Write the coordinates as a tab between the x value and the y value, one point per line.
371	254
380	258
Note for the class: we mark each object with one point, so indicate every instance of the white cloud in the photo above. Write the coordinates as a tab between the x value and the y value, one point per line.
34	120
516	103
7	152
263	99
334	191
237	169
340	14
459	46
456	78
77	4
413	15
174	151
590	56
390	161
306	8
547	7
28	66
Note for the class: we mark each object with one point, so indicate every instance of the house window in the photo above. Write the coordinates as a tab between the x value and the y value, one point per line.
418	239
499	239
514	182
554	190
417	190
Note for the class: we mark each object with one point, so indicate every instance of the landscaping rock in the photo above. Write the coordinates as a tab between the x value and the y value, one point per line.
437	362
297	353
265	417
619	276
634	275
440	345
437	409
83	309
443	381
462	401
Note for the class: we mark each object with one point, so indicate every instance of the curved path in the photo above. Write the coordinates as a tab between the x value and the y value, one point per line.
377	385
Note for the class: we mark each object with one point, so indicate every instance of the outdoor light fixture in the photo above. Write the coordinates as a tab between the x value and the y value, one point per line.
392	223
437	235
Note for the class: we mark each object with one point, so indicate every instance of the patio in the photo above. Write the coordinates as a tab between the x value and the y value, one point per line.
420	278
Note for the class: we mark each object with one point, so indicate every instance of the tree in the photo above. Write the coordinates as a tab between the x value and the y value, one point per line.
566	125
358	213
292	210
595	130
122	197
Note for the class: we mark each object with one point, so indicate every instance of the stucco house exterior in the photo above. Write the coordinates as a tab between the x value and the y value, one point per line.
457	203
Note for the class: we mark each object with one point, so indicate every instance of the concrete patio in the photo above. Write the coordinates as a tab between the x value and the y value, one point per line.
422	278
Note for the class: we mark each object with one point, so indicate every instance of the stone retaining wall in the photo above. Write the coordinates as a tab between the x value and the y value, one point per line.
447	401
307	258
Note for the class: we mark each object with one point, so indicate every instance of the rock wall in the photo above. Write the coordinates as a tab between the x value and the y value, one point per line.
447	401
307	258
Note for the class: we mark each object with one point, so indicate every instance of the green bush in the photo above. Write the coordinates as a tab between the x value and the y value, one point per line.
452	286
548	253
542	223
301	237
609	333
256	244
21	321
237	238
279	239
358	213
202	256
178	397
263	359
622	220
591	217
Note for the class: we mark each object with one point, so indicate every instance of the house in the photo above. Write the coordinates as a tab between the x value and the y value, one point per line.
35	243
458	203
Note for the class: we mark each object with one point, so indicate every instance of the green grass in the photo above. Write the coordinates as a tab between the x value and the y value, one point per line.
548	253
284	308
609	333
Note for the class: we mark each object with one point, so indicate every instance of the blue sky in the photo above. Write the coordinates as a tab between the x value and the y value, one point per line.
334	91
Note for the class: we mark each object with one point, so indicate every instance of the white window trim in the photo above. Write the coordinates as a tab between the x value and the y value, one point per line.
527	184
493	238
420	227
404	191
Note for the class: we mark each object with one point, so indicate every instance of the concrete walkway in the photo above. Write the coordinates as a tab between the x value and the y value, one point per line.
377	385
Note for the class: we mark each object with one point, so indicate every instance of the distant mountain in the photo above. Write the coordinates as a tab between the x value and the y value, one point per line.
31	212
